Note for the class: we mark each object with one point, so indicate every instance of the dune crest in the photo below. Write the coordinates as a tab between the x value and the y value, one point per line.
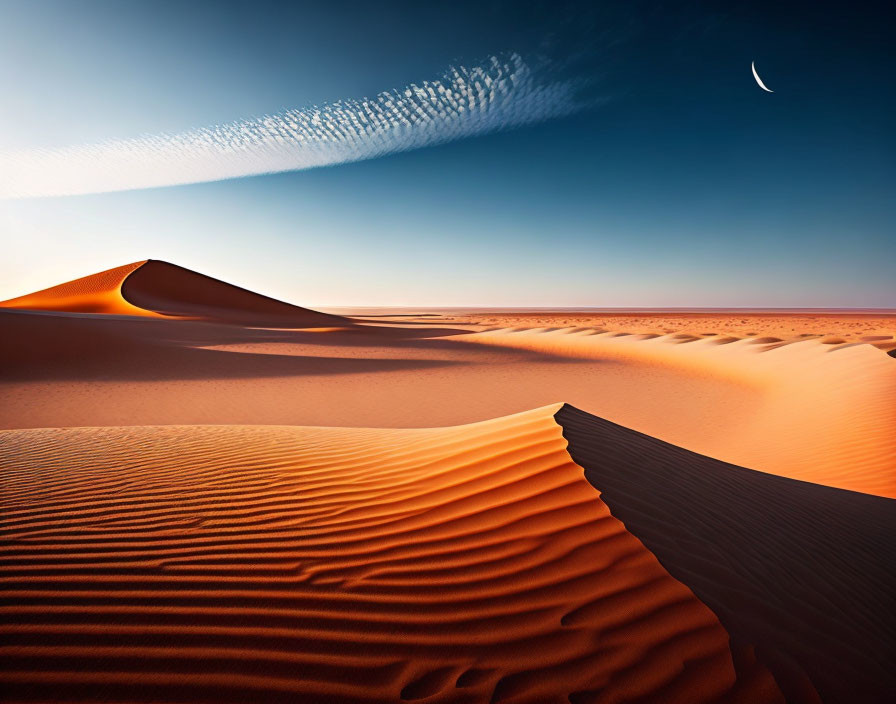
158	289
240	563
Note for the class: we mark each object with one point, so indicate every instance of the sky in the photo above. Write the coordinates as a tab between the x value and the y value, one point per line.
456	154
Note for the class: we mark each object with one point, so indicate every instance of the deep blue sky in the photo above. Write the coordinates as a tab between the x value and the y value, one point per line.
686	185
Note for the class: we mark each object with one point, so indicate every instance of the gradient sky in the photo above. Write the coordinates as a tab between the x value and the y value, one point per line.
676	182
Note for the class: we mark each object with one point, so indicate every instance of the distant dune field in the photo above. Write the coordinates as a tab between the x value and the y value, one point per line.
212	496
837	326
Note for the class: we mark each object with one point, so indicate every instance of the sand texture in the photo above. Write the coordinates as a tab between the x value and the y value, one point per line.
807	410
280	564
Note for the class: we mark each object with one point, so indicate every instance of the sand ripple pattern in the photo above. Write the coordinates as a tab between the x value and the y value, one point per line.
253	563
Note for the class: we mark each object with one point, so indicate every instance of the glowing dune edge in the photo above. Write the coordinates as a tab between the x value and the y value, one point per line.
239	563
97	293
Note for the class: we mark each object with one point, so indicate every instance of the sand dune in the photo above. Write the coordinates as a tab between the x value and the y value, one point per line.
155	288
171	290
323	564
804	572
824	411
97	293
201	351
873	327
806	410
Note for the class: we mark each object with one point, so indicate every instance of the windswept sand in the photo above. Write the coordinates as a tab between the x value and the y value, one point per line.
321	564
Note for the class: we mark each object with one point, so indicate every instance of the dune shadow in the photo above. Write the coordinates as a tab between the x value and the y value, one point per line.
60	347
805	573
72	347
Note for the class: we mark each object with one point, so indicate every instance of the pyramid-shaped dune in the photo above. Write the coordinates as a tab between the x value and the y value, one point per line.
158	289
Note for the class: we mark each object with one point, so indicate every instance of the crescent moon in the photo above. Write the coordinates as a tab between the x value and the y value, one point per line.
758	79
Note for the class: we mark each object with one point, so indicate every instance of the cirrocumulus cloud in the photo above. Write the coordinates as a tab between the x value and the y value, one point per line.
500	94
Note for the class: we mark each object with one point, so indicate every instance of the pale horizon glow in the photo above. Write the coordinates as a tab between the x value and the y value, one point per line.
497	95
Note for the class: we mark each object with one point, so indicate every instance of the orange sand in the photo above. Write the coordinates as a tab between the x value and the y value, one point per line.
98	293
808	410
322	564
876	328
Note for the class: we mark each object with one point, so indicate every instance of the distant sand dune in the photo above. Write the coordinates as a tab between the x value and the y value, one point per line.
234	564
155	288
875	327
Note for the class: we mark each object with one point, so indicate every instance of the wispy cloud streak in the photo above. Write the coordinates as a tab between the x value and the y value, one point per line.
497	95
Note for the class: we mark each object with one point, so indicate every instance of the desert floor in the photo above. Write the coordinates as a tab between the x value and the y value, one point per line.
208	495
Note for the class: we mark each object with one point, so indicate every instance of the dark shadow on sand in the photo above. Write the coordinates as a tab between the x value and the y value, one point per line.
805	573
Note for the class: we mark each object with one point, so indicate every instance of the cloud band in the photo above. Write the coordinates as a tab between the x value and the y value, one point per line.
497	95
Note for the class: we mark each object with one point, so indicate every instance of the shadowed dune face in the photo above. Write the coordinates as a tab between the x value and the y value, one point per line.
171	290
59	348
334	565
802	571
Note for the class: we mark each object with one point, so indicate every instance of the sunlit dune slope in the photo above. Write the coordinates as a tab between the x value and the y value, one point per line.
825	412
97	293
804	572
285	564
155	288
